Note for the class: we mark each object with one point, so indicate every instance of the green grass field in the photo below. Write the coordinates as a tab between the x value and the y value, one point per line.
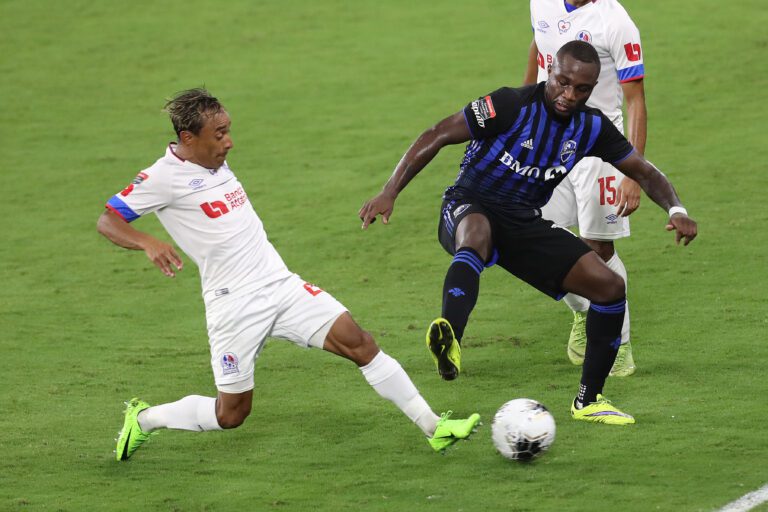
325	97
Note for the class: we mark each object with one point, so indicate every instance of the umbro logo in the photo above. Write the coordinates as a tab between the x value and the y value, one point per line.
527	144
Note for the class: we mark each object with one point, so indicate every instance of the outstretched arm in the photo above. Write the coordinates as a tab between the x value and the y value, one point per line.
628	198
120	233
451	130
661	191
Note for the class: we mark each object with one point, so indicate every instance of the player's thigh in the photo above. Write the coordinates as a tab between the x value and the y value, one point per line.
561	208
306	312
464	223
237	329
595	185
541	254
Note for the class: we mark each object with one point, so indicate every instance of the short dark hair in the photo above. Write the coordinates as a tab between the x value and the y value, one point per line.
581	51
189	109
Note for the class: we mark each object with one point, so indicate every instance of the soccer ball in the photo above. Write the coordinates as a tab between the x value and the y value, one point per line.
522	429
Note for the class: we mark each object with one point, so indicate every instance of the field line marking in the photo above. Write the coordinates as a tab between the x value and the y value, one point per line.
748	501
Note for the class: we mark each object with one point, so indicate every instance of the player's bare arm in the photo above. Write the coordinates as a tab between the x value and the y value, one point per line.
120	233
628	194
451	130
532	69
661	191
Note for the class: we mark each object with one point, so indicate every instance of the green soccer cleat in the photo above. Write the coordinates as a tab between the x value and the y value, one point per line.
131	437
449	431
624	366
445	348
577	342
601	411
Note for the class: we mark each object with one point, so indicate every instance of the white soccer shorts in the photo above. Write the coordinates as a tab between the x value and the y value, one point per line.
586	199
238	327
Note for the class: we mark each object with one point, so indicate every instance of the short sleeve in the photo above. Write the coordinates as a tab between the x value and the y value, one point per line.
149	191
626	50
610	145
492	114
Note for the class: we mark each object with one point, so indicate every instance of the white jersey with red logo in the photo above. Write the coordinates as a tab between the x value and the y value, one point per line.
209	216
604	24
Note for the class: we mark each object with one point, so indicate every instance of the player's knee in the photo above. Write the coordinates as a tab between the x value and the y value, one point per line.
233	418
604	249
474	232
614	288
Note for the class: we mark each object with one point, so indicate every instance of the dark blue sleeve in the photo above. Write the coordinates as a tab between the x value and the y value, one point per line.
610	146
494	113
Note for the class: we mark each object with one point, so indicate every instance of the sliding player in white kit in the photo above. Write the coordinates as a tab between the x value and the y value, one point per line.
596	197
249	293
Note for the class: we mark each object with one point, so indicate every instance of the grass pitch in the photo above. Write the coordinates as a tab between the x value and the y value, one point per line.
325	97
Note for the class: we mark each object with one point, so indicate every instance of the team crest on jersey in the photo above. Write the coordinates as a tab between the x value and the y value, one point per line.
229	363
563	26
141	177
584	36
568	150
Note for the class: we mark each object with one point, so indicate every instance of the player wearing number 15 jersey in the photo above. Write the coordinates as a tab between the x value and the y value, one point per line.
598	198
248	291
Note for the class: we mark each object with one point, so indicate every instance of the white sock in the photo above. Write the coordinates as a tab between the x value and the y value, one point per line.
390	381
576	302
617	266
194	412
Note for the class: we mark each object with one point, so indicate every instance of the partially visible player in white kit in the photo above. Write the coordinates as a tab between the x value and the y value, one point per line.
249	293
595	197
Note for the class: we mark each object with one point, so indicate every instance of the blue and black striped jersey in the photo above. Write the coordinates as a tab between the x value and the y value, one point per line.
520	151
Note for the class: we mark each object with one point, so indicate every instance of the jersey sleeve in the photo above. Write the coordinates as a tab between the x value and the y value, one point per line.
492	114
626	50
610	145
149	191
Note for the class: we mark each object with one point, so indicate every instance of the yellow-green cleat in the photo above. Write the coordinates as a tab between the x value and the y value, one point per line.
601	411
577	342
131	436
444	348
624	366
449	431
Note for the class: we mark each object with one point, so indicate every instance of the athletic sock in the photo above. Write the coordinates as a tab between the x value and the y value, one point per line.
461	287
194	412
617	266
576	302
604	321
390	381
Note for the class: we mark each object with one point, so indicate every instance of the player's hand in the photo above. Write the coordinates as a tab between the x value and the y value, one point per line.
382	204
164	256
685	227
627	197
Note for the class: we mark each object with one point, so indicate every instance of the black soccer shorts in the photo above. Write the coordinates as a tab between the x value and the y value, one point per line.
534	250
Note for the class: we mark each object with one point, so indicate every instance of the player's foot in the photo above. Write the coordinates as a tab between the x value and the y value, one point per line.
577	342
131	437
445	349
624	366
449	431
601	411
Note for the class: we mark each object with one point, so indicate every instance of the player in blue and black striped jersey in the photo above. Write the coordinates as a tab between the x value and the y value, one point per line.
522	143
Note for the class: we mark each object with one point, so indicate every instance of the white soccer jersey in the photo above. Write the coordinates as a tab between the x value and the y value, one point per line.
210	218
607	26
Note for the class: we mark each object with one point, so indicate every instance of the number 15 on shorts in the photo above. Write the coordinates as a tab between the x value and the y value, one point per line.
607	190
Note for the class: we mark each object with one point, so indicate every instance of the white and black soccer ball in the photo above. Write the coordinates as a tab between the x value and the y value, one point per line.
523	429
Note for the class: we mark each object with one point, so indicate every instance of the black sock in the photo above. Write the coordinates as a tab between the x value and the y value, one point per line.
462	284
604	321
